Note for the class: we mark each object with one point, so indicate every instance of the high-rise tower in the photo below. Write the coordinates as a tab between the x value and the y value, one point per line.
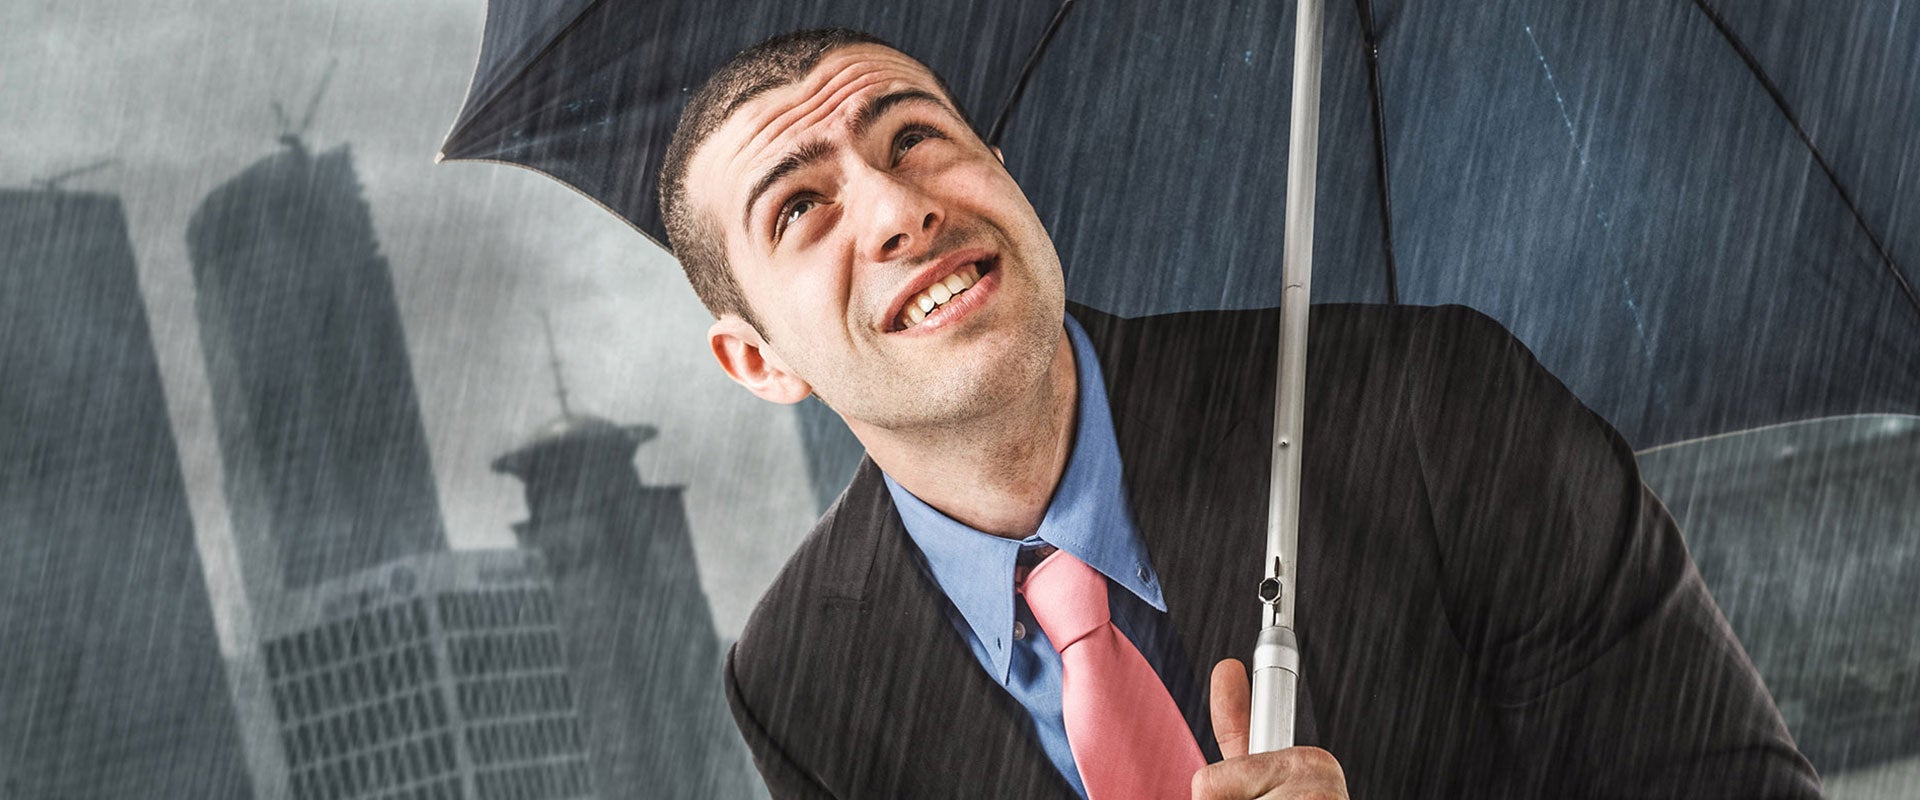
111	683
327	470
640	633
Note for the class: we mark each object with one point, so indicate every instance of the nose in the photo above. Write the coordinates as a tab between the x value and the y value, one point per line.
901	219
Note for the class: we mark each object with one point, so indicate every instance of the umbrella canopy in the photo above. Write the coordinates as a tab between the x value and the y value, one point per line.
1696	213
1612	181
1633	187
588	91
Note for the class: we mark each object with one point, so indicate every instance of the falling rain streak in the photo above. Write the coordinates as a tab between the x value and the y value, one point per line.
300	499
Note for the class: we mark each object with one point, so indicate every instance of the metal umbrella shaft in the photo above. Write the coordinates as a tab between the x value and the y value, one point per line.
1276	654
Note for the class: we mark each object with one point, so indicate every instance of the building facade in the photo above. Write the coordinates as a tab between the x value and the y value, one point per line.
326	464
639	630
435	677
111	679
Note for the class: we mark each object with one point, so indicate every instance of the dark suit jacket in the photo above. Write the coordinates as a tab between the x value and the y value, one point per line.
1491	603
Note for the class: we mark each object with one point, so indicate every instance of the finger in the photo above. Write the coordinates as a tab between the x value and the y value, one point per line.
1296	772
1237	779
1231	706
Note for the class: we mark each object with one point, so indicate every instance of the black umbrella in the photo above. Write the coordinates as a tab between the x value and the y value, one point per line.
1627	186
1695	234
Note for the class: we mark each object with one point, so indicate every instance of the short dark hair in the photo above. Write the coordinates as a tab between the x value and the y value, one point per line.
778	61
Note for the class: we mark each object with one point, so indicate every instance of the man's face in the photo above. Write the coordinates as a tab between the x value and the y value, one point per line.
849	200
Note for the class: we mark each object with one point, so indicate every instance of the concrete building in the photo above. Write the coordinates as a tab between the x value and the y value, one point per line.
111	681
639	630
326	464
435	677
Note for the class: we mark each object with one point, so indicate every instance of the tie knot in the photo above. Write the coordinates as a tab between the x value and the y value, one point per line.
1068	598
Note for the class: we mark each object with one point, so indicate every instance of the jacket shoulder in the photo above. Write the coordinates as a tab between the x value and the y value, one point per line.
828	568
1223	361
1341	324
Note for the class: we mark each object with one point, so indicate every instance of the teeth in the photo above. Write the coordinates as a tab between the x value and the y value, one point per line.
943	290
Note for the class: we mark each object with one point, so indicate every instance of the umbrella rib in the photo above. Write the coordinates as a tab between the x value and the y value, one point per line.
519	74
1365	7
1026	71
1833	177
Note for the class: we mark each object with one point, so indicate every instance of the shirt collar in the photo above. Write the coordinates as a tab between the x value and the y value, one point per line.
1088	517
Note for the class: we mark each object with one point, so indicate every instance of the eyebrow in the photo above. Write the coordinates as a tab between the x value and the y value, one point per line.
869	113
811	152
800	158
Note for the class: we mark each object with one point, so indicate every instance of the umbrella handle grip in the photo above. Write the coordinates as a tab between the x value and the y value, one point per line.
1276	683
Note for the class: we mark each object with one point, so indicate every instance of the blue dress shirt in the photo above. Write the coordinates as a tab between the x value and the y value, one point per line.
1089	518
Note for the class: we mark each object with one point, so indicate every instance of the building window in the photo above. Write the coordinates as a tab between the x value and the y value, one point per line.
276	659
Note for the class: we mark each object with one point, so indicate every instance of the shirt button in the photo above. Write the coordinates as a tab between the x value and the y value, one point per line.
1019	630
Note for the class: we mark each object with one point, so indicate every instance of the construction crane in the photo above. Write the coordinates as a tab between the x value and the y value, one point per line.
52	183
289	134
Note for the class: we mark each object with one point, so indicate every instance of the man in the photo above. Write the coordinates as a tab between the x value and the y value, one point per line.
1059	520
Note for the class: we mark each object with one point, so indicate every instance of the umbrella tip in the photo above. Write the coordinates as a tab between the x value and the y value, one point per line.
439	157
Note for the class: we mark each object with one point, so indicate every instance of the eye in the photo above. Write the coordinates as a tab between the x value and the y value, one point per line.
791	212
913	135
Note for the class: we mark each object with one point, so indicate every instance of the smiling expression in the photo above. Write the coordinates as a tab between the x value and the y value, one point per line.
891	261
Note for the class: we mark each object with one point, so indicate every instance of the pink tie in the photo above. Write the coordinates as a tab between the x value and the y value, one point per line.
1128	738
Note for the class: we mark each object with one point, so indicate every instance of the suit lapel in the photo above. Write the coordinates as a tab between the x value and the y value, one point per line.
944	715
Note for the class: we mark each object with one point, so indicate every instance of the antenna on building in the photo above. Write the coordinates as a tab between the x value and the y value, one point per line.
289	134
553	360
52	182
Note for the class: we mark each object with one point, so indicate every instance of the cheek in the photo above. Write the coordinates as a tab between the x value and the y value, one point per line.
991	186
813	297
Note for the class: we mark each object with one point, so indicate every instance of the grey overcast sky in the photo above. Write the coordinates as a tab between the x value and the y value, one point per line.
180	92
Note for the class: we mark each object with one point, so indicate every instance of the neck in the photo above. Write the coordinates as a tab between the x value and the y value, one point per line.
997	473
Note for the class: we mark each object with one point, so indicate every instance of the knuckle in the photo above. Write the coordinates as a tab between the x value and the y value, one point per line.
1206	784
1315	758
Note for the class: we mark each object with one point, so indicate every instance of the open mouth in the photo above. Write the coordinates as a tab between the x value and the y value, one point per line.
940	295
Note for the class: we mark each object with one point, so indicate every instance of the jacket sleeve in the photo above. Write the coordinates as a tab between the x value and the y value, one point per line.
784	778
1612	671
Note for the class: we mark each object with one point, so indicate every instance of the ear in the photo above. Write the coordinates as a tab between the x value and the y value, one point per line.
751	362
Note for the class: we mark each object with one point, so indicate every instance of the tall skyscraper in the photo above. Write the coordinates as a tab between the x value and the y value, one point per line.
111	682
436	677
640	633
326	461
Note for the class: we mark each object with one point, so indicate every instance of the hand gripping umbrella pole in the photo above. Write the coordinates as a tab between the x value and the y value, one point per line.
1276	654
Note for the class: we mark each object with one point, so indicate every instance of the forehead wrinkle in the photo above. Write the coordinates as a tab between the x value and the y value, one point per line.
817	106
810	112
879	64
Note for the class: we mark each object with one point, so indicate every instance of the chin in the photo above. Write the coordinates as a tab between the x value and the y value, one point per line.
969	392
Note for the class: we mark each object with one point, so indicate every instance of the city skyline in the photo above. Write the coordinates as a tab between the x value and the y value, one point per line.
477	254
668	540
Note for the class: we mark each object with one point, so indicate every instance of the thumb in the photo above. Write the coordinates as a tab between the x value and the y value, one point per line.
1232	704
